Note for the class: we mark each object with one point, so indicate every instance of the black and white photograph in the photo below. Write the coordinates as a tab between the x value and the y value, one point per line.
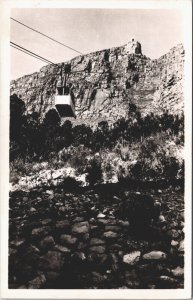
99	132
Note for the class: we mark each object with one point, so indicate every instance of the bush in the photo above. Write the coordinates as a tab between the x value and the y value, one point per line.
14	177
94	172
170	168
70	184
140	210
51	119
146	140
17	118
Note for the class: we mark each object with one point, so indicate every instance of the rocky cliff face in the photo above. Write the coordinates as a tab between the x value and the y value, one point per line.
105	82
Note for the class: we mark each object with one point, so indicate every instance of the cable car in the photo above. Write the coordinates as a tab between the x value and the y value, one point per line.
64	98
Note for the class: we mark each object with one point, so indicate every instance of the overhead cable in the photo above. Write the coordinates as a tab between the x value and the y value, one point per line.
27	53
30	53
49	37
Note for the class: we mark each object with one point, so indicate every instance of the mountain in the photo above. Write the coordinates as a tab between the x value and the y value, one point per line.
105	82
103	207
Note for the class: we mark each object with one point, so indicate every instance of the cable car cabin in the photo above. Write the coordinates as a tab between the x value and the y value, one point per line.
64	102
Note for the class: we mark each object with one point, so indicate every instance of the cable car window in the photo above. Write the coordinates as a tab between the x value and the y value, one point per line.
60	90
66	90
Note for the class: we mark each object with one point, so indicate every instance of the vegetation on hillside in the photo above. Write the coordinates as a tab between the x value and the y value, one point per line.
139	147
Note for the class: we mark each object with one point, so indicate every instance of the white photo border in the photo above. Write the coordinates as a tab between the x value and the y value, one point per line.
5	9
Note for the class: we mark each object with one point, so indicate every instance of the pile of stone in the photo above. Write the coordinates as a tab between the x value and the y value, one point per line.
65	240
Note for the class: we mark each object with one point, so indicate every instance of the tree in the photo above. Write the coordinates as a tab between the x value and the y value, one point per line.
103	126
82	135
17	117
66	134
51	119
137	171
51	130
170	168
17	127
101	136
35	138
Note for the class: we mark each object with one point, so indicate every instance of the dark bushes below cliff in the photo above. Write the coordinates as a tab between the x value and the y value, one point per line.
140	148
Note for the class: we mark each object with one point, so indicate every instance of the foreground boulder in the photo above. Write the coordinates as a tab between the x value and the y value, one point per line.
132	258
154	255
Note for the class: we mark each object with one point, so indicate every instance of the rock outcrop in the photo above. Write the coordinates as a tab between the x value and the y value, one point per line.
105	82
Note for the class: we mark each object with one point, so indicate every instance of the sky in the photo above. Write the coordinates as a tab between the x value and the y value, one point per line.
89	30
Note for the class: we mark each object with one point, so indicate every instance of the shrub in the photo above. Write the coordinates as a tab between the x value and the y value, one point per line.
14	177
94	172
70	184
17	118
140	210
51	119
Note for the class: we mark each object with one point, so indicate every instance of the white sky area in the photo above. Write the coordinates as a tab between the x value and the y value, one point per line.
89	30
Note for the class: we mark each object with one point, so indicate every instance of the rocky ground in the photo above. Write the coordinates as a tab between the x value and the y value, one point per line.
85	239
